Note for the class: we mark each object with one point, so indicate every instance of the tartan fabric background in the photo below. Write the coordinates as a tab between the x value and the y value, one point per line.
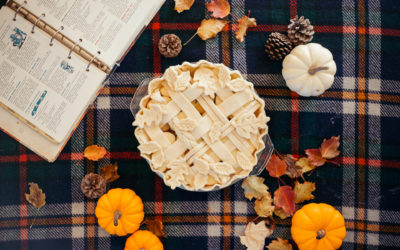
363	107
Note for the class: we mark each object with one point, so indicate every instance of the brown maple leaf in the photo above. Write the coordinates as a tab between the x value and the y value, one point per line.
36	198
156	227
329	148
219	8
303	191
254	187
109	172
94	152
182	5
284	198
264	207
276	167
315	156
279	244
292	170
244	23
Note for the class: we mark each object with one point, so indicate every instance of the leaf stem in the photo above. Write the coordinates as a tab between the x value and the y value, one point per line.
190	39
34	218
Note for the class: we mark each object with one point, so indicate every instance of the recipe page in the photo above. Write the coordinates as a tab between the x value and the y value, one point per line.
39	82
103	25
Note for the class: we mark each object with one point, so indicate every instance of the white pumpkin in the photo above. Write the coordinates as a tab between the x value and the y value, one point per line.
309	69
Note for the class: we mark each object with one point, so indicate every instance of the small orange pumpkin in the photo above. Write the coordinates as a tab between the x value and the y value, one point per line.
318	227
143	240
120	211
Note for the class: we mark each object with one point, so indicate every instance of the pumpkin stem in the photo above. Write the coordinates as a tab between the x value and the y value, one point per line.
117	216
320	234
312	71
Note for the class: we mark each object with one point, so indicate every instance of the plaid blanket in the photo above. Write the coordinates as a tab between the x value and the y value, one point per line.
363	107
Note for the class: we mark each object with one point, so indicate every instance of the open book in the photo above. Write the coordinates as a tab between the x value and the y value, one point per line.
55	56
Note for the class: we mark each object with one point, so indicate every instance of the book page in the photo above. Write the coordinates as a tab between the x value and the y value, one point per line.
39	82
108	26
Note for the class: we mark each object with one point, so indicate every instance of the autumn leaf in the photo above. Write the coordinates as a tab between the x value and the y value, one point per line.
244	23
329	148
303	191
254	235
281	214
276	166
284	198
304	164
209	28
315	156
292	170
279	244
264	207
182	5
155	226
109	172
36	198
254	187
219	8
94	152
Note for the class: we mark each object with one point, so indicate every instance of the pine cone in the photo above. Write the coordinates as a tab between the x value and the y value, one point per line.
278	46
300	30
93	186
170	45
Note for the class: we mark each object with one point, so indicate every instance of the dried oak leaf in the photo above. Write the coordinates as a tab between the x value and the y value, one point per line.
292	170
264	207
219	8
156	227
254	187
209	28
315	156
181	5
94	152
109	172
244	23
279	244
254	235
36	197
304	164
284	198
276	167
329	148
303	191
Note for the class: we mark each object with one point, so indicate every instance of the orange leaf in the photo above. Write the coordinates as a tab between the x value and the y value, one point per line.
279	244
210	28
94	152
219	8
244	23
284	198
181	5
329	148
156	227
276	167
315	156
109	172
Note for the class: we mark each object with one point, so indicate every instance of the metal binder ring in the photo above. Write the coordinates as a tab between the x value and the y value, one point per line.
73	47
54	35
91	60
36	22
19	8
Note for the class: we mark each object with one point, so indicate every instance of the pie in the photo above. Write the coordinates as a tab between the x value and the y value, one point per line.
201	126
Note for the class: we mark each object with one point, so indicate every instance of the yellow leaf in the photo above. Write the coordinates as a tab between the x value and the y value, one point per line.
109	172
244	23
156	227
94	152
302	191
181	5
305	164
210	28
264	207
254	187
279	244
36	197
255	234
281	214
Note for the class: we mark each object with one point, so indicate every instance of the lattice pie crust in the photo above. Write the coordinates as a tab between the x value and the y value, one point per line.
201	126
